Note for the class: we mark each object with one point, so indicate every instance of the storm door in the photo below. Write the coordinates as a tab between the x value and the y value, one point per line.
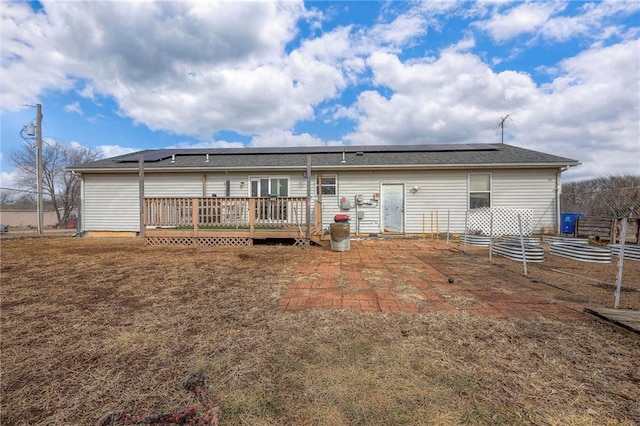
392	202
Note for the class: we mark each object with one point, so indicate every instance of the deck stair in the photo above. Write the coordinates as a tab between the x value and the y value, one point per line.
320	237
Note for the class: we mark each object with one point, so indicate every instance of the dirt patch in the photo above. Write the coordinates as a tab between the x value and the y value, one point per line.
93	326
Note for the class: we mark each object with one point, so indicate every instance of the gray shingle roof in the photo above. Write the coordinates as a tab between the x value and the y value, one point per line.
383	156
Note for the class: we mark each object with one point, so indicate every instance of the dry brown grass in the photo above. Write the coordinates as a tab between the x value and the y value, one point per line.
91	326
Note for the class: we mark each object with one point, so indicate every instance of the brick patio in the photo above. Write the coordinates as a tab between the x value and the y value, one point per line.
411	275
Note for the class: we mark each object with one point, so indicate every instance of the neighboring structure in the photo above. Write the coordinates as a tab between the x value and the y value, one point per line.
27	219
384	189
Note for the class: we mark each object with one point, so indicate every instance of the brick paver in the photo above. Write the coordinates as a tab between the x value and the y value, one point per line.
411	275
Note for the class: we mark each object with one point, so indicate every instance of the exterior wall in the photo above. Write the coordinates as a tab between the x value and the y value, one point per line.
111	201
172	185
442	197
531	189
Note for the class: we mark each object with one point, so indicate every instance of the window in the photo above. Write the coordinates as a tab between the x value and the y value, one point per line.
326	185
269	187
269	208
479	190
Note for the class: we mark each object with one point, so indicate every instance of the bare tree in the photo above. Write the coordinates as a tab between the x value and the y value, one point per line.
611	196
60	187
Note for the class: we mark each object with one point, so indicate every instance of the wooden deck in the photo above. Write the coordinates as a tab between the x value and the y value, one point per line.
625	318
228	221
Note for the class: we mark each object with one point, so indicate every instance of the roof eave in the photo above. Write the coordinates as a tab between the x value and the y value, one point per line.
148	168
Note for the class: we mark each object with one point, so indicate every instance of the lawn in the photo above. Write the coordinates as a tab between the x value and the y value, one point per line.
93	326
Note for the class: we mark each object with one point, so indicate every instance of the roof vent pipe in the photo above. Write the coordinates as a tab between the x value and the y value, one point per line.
344	160
207	160
173	158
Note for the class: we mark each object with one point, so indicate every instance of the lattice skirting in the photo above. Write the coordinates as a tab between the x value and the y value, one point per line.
199	241
301	242
505	221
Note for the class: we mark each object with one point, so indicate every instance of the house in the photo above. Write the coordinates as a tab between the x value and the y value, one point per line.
240	194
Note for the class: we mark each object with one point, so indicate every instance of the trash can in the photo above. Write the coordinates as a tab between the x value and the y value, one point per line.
568	220
340	232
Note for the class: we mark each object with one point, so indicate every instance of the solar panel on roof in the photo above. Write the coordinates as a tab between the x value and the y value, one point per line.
161	154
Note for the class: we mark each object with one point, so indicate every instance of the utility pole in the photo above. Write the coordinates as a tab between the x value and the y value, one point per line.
40	167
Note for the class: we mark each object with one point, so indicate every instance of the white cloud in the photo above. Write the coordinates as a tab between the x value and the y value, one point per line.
542	20
456	98
525	18
73	107
589	111
196	68
30	60
222	65
286	138
400	31
208	144
8	179
114	150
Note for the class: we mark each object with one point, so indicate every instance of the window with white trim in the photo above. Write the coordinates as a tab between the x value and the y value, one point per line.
479	190
327	185
269	187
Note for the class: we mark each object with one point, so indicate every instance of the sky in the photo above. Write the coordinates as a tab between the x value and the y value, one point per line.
561	77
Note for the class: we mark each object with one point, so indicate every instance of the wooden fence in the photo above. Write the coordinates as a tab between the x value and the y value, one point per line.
607	229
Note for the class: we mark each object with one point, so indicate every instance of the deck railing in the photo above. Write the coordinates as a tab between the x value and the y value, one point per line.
225	213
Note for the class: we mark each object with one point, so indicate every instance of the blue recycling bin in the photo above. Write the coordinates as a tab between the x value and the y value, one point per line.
569	221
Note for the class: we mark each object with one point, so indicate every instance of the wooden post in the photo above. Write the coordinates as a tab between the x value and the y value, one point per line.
141	194
623	236
194	215
318	215
252	217
448	223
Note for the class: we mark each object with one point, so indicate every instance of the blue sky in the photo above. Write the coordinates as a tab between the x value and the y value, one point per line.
123	76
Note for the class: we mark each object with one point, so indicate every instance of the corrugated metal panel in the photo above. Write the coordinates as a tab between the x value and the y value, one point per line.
111	203
529	189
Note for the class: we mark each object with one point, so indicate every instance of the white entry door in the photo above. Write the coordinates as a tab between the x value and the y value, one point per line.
392	199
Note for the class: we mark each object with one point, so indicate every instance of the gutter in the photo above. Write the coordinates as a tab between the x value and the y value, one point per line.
336	167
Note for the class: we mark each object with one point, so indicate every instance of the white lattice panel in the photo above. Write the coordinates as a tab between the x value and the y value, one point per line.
505	221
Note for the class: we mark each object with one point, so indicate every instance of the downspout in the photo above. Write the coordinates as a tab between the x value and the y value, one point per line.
141	194
80	224
308	206
559	197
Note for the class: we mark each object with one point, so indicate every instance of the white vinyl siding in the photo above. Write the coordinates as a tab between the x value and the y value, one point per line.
444	196
111	202
528	189
173	185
